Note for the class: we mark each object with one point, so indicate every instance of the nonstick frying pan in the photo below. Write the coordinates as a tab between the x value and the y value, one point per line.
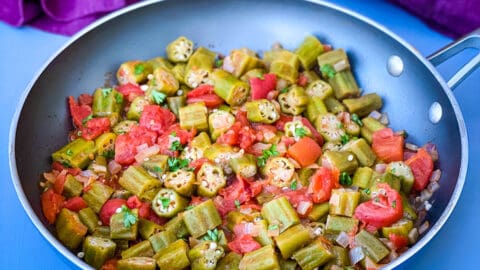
416	98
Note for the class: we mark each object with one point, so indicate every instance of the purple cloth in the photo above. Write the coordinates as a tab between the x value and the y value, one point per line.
64	17
451	17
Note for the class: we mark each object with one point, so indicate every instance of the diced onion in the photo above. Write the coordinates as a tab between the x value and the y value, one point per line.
228	64
436	175
281	84
384	119
343	239
303	207
380	168
114	167
413	235
411	146
146	153
432	150
87	173
375	115
141	147
50	177
340	65
356	254
99	168
424	227
433	186
425	195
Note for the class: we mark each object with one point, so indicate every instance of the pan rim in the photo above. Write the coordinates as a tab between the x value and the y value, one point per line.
74	260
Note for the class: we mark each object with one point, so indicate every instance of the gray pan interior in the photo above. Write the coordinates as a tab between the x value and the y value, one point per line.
144	31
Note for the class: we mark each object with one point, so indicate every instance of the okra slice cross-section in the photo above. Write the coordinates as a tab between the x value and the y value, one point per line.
279	171
205	255
167	203
180	50
210	179
262	111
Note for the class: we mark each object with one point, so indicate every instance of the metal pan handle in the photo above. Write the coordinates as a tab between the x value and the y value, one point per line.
471	40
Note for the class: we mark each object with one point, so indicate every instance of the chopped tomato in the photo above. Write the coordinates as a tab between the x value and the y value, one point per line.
60	181
134	202
399	241
387	145
52	203
95	127
130	91
243	136
204	89
196	164
382	210
144	210
241	117
109	208
59	167
261	86
302	80
85	99
78	112
322	183
224	206
110	265
422	167
156	118
230	137
280	124
264	132
143	207
210	100
306	151
244	244
238	190
185	136
75	204
196	200
300	199
318	137
126	144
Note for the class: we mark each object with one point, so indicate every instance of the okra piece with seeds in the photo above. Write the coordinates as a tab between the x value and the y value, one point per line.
137	263
99	166
89	218
180	50
136	108
194	116
320	89
138	181
263	238
373	247
330	127
205	255
341	256
244	165
161	240
160	62
308	51
261	259
279	171
98	250
336	59
315	107
262	111
363	105
77	154
362	177
177	226
362	151
174	256
96	195
234	91
401	227
140	249
105	144
124	126
72	187
292	240
201	218
70	230
219	122
156	164
311	76
342	160
254	73
147	228
164	81
343	202
107	102
402	170
231	261
284	64
296	129
181	181
199	68
179	72
134	72
280	212
167	203
124	224
201	141
210	180
316	254
175	103
338	224
241	61
294	101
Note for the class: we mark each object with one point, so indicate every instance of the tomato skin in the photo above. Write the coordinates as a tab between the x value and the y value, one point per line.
237	190
78	112
85	99
261	86
59	167
224	206
306	151
75	204
243	244
60	181
210	100
126	144
241	117
387	145
109	208
134	202
204	89
322	183
318	137
52	203
399	241
156	118
130	91
381	211
302	80
95	127
421	165
243	136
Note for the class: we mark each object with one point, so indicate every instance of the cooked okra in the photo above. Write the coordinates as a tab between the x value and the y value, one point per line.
98	250
231	261
138	181
244	165
167	203
147	228
175	103
262	111
134	72
72	187
219	122
263	258
205	255
343	202
201	218
164	81
279	171
181	181
107	102
89	218
161	240
76	154
316	254
96	195
294	101
229	88
315	107
193	116
308	51
174	256
141	249
241	61
374	248
180	50
137	263
364	105
136	108
279	212
292	240
210	180
70	230
199	67
284	64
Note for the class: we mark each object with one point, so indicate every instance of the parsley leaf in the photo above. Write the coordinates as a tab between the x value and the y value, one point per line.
212	235
165	202
176	145
266	154
158	97
394	204
356	119
367	191
300	132
69	152
284	90
345	138
85	120
237	203
118	98
293	185
328	71
129	218
175	164
345	179
109	153
219	63
139	68
106	92
157	169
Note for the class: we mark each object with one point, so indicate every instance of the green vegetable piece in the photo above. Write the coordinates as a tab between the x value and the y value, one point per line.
262	111
210	179
107	102
280	171
284	64
296	129
254	73
176	225
304	175
319	211
341	256
370	125
401	227
124	225
400	169
181	181
338	224
96	195
287	264
308	51
333	105
124	126
175	103
244	165
294	101
408	211
343	202
179	72
136	263
161	240
219	122
234	91
135	72
99	166
344	85
180	50
159	62
156	164
88	218
362	177
105	145
374	248
292	240
342	160
315	107
163	81
231	261
337	59
147	228
263	238
72	187
316	254
319	89
261	259
102	231
364	105
136	108
76	154
98	250
70	230
194	116
205	255
138	181
234	218
362	151
330	127
174	256
392	180
201	218
243	60
280	212
199	68
201	141
167	203
140	249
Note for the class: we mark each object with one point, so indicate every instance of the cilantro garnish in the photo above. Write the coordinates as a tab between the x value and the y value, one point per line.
300	132
237	203
175	164
118	98
165	202
157	169
284	90
394	204
69	152
293	185
176	145
367	191
260	76
218	63
345	138
328	71
212	235
345	179
109	153
106	91
189	207
158	97
266	154
173	134
356	119
129	218
139	68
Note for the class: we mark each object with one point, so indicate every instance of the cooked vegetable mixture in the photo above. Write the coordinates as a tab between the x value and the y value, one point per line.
205	161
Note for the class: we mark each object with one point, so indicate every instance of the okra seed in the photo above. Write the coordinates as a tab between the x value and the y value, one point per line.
350	158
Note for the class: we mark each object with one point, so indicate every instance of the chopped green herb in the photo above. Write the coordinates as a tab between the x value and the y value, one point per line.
189	207
69	152
118	98
175	164
260	76
300	132
129	218
85	120
394	204
109	153
237	203
345	138
158	97
106	91
176	145
165	202
139	68
328	71
157	169
212	235
293	185
284	90
339	125
273	227
66	164
393	170
367	191
356	119
219	63
266	154
345	179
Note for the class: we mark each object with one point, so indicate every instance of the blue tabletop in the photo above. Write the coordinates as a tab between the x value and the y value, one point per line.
23	51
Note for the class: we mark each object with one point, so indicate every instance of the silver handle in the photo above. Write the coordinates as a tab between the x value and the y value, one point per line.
471	40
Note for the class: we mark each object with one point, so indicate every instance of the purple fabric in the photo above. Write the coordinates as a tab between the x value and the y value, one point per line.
452	17
64	17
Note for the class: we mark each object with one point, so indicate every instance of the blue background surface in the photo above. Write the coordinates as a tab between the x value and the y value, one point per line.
23	51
